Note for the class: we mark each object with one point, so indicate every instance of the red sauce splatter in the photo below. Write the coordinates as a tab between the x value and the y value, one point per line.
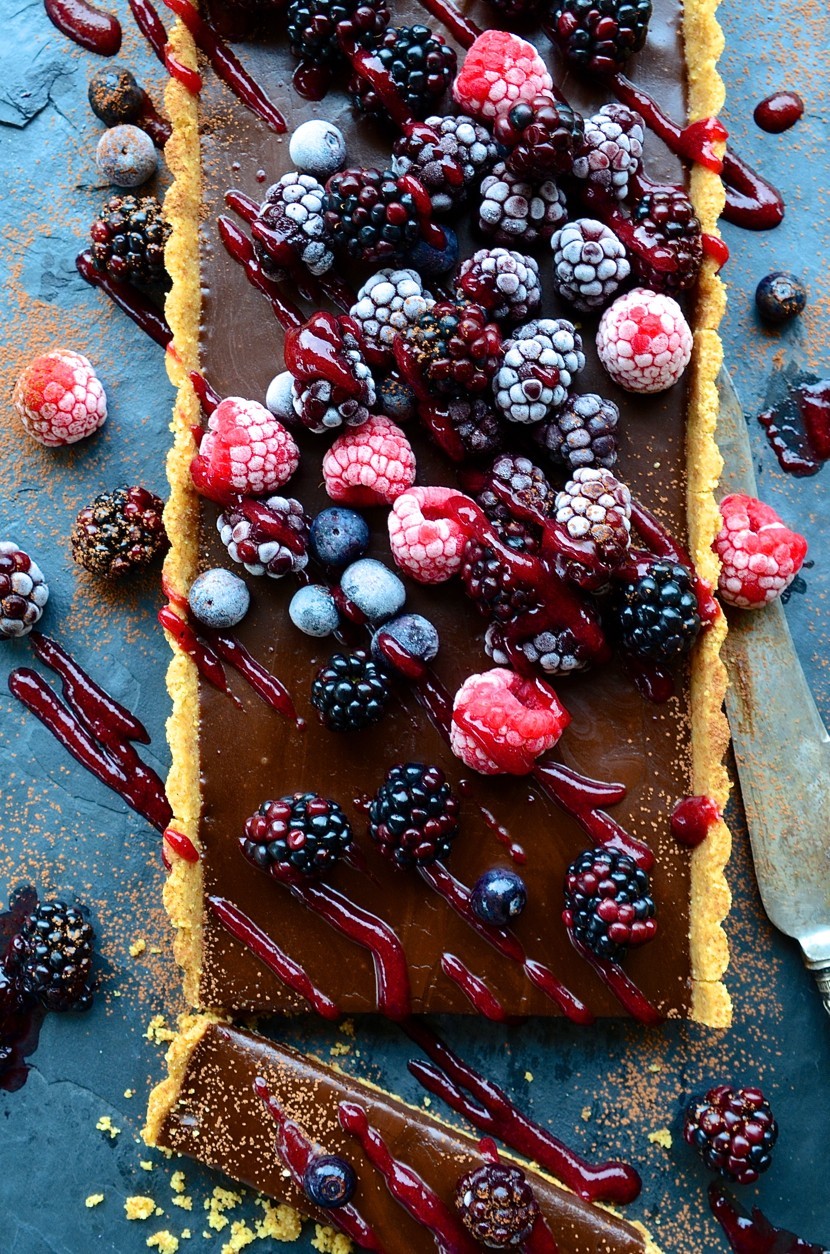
716	248
754	1234
85	25
692	820
242	250
503	836
778	112
181	844
151	26
464	31
798	429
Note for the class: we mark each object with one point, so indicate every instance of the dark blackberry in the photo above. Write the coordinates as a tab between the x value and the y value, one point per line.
420	64
350	692
312	26
51	956
733	1131
517	498
589	264
119	532
128	240
491	584
305	832
448	155
658	613
608	903
497	1205
266	537
582	433
464	428
543	135
371	216
290	229
598	36
450	350
413	816
668	244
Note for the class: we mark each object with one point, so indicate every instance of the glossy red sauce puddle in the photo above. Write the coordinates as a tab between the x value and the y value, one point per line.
798	429
778	112
85	25
692	819
754	1234
20	1029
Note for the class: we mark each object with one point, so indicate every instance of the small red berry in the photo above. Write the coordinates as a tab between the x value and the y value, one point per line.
760	556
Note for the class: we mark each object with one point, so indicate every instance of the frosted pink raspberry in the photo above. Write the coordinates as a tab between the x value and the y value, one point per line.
760	556
499	70
60	398
501	723
425	544
369	465
644	342
244	452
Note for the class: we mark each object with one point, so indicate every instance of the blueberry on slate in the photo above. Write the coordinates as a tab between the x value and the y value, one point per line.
780	296
114	95
313	610
338	536
219	598
329	1182
374	589
126	156
498	896
414	633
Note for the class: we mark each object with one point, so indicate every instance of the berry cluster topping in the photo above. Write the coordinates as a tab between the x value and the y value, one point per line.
499	71
119	532
128	240
595	507
23	592
372	215
658	613
426	544
448	155
304	833
333	384
544	135
608	903
350	692
733	1131
60	399
598	36
266	537
450	350
760	556
420	64
290	229
387	305
369	465
497	1205
671	254
502	282
244	451
51	956
644	341
582	433
413	817
611	151
501	723
514	210
313	26
589	264
539	365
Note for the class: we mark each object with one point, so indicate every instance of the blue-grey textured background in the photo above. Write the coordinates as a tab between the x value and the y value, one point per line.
606	1089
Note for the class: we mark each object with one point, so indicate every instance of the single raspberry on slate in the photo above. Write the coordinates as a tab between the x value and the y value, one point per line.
369	465
426	545
244	452
499	70
501	723
60	398
760	556
644	341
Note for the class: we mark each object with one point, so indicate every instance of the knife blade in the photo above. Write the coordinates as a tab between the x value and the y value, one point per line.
782	748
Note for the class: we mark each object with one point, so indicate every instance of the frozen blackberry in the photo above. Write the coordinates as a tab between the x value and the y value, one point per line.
598	36
450	350
312	26
538	368
350	692
52	956
608	903
304	832
582	433
503	282
448	155
589	264
119	532
491	584
290	229
543	135
23	592
658	613
611	152
333	387
420	64
128	240
516	497
514	210
266	537
733	1131
497	1205
371	215
554	652
387	305
413	817
464	427
595	507
667	252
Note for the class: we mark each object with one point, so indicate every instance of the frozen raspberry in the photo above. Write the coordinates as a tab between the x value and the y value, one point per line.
369	465
244	452
501	723
499	70
760	556
60	398
644	342
425	544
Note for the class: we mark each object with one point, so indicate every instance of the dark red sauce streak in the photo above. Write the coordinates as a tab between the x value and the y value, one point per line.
490	1109
85	25
151	26
242	250
461	28
652	681
754	1234
482	998
208	398
181	844
191	80
716	248
503	836
583	798
778	112
287	971
19	1032
540	1240
151	121
751	202
272	691
622	986
128	298
799	428
692	820
207	662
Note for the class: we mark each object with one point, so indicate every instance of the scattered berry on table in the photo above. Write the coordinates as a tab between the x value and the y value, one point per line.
554	652
582	433
594	506
333	384
338	536
420	63
431	260
60	398
464	427
313	610
128	239
589	264
294	229
426	544
386	305
318	147
608	903
499	896
502	282
126	156
374	589
451	350
219	598
52	956
644	341
515	496
245	451
266	537
114	95
23	592
538	368
329	1181
513	210
733	1131
760	556
312	26
280	397
413	817
611	151
414	633
658	613
370	215
497	1205
304	832
543	135
372	464
350	692
598	36
499	70
119	532
501	723
448	155
668	232
780	296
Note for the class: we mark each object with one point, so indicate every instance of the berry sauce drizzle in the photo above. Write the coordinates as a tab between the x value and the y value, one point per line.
242	250
583	799
151	26
181	844
692	820
263	947
482	998
406	1186
461	28
540	1240
311	81
754	1234
716	248
209	399
778	112
617	982
799	428
490	1110
135	304
502	835
297	1151
207	663
19	1025
191	80
151	121
85	25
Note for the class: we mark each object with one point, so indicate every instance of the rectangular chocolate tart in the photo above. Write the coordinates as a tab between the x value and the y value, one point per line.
230	756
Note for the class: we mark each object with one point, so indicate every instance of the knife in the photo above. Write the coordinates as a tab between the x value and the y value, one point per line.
782	748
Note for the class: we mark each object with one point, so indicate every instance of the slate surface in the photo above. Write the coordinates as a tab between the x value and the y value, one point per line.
604	1090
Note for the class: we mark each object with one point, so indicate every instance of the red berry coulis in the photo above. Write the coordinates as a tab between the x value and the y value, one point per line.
190	79
799	428
85	25
129	299
19	1025
754	1234
778	112
311	81
241	249
464	31
181	844
481	998
692	820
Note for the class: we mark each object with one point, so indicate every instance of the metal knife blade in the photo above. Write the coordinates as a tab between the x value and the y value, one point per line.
782	748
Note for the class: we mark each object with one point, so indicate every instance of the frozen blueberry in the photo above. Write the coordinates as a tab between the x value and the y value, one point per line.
313	610
329	1181
318	148
374	589
498	896
780	296
219	598
397	399
338	536
278	397
429	261
114	95
126	156
414	633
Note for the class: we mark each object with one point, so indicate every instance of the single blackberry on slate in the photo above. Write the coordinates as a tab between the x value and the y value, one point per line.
23	591
539	365
589	264
543	135
554	652
119	532
420	64
515	497
128	239
52	954
582	433
491	584
497	1205
350	692
305	832
608	903
371	216
448	155
516	211
266	537
733	1131
672	242
312	26
413	816
595	507
295	231
611	151
452	349
658	613
598	36
503	282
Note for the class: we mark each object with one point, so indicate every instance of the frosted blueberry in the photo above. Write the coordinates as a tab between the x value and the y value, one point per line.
313	610
278	397
374	589
414	633
126	156
219	598
433	261
318	148
338	536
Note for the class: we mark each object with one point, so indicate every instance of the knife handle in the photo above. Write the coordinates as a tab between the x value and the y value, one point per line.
821	975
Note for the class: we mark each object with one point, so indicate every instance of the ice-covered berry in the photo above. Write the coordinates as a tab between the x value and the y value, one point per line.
503	282
338	536
23	592
314	611
426	544
369	465
499	70
114	95
126	156
644	341
416	635
244	452
318	147
386	305
760	556
373	588
60	399
514	210
501	722
333	385
589	264
219	598
539	365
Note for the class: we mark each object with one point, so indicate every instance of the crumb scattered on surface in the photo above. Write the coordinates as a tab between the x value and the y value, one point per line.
158	1031
164	1242
138	946
586	1113
529	1077
129	1093
662	1137
279	1222
139	1207
94	1199
330	1242
105	1124
216	1205
146	1165
241	1236
177	1182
